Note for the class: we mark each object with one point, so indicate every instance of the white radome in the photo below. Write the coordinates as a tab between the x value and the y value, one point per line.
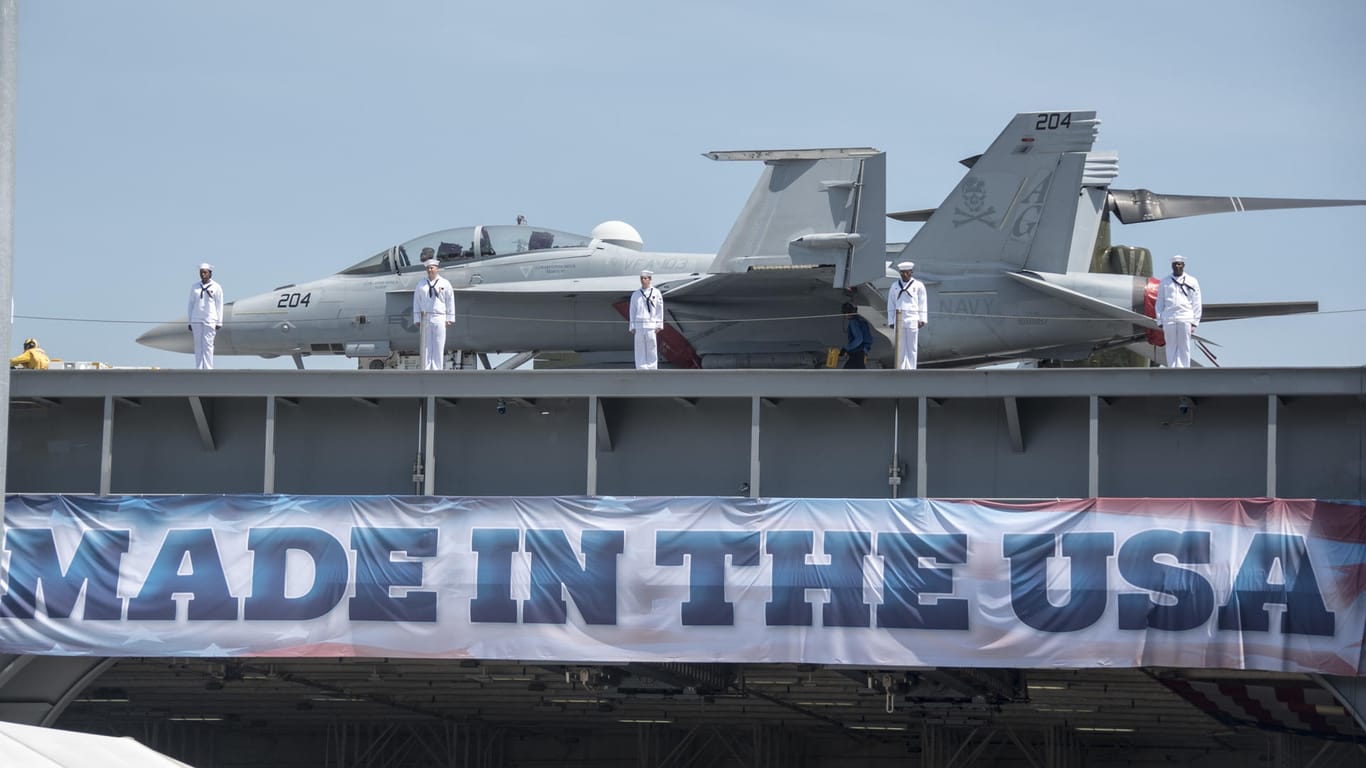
618	233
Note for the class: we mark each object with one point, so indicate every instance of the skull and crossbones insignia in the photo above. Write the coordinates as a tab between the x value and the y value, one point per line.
974	197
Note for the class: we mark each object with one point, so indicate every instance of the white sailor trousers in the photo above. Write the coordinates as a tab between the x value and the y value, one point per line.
1178	336
433	344
203	346
647	349
907	353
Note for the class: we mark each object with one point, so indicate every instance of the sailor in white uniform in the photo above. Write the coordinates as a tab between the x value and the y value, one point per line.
433	311
206	315
907	311
646	318
1178	312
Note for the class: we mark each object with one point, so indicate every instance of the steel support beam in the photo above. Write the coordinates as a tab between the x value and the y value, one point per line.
1272	411
594	417
37	689
1093	450
9	105
201	422
922	439
107	447
429	448
1350	693
12	665
1013	424
754	447
268	470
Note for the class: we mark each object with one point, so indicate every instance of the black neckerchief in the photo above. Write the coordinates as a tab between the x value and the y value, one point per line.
649	300
905	289
205	289
1180	282
431	288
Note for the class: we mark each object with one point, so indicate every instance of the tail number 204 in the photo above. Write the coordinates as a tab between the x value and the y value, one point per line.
1049	121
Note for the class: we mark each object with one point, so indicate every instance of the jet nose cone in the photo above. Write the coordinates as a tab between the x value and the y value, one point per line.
172	337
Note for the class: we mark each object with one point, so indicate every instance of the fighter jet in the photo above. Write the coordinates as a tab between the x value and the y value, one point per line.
1017	260
1007	260
813	229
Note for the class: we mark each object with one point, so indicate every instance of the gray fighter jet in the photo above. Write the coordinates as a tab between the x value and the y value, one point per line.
813	229
1007	260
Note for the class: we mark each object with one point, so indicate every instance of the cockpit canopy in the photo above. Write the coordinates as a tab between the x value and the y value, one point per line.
457	246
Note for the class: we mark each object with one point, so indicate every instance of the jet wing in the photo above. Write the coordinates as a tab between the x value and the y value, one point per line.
765	317
758	283
1135	206
615	284
1213	312
1056	352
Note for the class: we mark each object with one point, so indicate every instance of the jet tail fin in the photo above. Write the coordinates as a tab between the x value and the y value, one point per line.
1018	207
812	208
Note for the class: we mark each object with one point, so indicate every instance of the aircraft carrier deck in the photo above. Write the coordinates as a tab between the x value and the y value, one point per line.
1015	435
1022	434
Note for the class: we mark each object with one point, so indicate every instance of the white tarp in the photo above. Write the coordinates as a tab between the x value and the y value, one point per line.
29	746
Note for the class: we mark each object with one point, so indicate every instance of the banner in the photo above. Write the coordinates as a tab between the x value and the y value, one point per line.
1260	584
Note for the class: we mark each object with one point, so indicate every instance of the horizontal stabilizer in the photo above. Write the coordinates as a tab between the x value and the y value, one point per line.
811	208
1089	303
1214	312
1134	206
921	215
773	155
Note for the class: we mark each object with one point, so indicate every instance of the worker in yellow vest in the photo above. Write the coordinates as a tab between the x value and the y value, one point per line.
33	357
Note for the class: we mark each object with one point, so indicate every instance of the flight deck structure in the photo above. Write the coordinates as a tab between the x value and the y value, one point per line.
1008	435
1004	434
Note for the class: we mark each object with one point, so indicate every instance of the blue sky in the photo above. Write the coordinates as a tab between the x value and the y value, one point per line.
282	141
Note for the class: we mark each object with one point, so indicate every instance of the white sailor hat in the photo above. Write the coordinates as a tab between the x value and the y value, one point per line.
646	273
431	263
1180	258
206	265
905	266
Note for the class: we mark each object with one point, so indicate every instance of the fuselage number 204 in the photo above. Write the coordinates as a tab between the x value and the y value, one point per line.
288	300
1049	121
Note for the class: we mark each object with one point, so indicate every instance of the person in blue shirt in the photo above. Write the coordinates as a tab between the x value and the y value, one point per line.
860	338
